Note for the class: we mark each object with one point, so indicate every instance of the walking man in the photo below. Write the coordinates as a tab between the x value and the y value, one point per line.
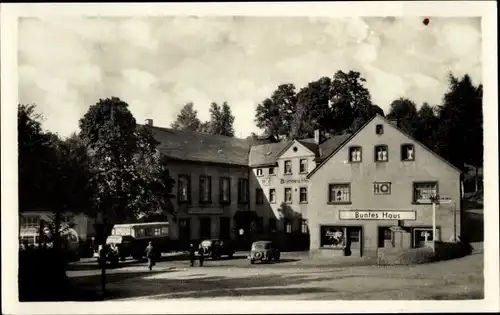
192	254
200	252
150	254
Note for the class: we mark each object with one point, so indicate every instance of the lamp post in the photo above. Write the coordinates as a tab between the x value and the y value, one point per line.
439	200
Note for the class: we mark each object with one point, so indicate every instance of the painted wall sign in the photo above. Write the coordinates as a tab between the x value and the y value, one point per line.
294	181
377	215
382	188
265	181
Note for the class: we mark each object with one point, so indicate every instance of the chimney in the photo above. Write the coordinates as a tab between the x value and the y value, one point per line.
316	136
149	122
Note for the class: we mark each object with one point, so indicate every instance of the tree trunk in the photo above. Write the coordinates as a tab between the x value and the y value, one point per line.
476	180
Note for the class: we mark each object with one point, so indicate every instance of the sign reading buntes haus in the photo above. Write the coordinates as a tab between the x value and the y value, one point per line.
295	181
377	215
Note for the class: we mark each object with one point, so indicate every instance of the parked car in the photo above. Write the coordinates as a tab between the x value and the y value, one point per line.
216	248
263	251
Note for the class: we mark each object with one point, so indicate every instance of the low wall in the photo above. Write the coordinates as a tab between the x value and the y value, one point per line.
412	256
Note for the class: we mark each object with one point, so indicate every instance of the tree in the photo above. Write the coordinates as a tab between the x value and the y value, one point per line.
426	126
276	114
404	111
125	162
221	120
460	133
350	102
187	119
312	110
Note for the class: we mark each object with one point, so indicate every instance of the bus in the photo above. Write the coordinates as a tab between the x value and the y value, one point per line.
131	239
70	242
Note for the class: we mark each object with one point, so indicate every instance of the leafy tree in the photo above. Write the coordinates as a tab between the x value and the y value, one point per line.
125	163
204	127
404	111
426	126
187	119
350	102
460	133
221	120
276	114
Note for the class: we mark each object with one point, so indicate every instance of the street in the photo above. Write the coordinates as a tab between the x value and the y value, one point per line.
296	277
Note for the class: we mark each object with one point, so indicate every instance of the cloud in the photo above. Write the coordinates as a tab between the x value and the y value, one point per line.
157	64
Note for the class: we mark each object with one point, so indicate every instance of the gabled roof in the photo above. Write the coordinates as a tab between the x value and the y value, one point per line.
201	147
266	154
332	144
348	138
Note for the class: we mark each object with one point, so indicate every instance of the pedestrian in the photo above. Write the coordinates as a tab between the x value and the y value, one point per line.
200	252
150	254
192	254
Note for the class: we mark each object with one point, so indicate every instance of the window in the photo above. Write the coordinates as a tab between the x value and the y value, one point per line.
332	236
303	166
288	167
30	221
407	152
259	172
164	230
272	225
259	196
381	153
272	171
184	189
379	129
157	231
225	190
272	195
422	192
339	193
288	195
422	236
288	227
205	188
355	154
303	227
303	195
243	190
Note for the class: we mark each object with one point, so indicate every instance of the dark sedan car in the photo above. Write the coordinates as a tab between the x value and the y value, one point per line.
263	251
217	248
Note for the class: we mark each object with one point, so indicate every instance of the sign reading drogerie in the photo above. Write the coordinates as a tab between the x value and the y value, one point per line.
377	215
380	188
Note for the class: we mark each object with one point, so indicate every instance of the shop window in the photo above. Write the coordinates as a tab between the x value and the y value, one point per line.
272	171
272	225
272	195
332	236
243	190
423	236
205	189
422	192
259	172
288	195
379	129
303	195
30	221
184	189
288	227
407	152
304	229
381	153
259	196
225	190
303	166
288	167
339	193
164	230
355	154
157	231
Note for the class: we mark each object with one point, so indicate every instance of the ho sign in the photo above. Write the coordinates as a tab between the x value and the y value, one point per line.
382	188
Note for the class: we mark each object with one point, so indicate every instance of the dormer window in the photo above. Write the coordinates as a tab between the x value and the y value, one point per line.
271	171
355	154
259	172
379	129
381	153
288	167
407	152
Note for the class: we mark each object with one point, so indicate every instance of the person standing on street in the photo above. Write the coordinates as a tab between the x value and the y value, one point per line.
192	254
200	252
150	255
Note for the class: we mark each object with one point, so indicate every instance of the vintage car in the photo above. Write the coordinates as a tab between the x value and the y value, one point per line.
263	251
216	248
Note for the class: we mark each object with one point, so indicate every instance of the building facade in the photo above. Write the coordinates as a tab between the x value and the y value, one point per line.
377	182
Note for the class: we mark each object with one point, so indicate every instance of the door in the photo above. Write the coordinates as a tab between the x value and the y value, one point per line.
184	232
205	228
225	228
385	237
422	237
353	241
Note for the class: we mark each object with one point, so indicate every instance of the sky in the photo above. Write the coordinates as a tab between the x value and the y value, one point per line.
157	64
